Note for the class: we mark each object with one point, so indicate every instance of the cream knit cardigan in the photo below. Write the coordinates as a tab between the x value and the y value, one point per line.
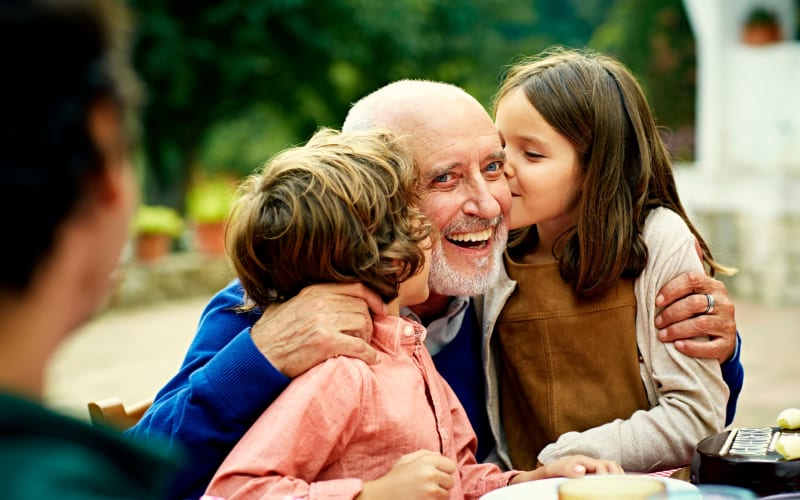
687	395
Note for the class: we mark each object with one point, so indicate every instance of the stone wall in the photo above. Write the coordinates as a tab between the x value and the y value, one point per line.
743	189
178	275
765	250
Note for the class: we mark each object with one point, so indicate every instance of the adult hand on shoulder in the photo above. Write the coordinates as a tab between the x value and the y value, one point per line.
320	322
422	474
689	312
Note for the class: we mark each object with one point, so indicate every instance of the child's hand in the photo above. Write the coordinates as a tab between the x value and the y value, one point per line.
572	466
420	475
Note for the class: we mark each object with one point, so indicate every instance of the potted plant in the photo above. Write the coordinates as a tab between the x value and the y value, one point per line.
761	27
155	227
207	206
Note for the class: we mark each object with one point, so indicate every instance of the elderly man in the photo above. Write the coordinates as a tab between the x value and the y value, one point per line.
239	363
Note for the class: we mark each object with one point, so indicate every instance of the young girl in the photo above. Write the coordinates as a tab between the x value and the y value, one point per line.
342	209
598	229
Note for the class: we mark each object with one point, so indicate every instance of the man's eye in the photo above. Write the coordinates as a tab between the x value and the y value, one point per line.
442	178
494	166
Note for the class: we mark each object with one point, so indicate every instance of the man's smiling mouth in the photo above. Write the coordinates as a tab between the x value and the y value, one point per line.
478	239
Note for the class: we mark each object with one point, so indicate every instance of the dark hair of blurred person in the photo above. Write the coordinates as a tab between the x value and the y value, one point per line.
67	193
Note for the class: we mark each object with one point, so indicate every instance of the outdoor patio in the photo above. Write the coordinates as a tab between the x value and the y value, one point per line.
130	353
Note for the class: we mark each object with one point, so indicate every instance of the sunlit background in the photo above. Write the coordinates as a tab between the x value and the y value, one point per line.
229	83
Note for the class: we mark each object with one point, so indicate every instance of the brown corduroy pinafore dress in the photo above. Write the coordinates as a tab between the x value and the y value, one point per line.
564	363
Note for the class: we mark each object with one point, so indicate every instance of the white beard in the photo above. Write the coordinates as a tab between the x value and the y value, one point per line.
446	279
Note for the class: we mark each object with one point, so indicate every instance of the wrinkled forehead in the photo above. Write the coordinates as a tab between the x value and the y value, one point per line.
435	153
443	124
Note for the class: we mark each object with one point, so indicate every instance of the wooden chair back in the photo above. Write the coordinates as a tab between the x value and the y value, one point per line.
111	412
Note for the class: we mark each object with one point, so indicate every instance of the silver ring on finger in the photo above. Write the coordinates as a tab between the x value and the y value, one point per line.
710	307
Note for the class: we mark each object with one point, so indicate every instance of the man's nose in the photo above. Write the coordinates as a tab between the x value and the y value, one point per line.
481	202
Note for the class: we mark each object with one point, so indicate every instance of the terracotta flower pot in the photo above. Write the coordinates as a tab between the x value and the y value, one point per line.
151	247
761	34
210	237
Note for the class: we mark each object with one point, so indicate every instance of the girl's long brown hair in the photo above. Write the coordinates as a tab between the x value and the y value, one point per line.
596	103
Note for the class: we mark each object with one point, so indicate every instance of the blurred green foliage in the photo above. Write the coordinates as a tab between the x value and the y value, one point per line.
210	200
231	82
157	219
654	38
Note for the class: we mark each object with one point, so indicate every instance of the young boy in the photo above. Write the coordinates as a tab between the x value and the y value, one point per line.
343	209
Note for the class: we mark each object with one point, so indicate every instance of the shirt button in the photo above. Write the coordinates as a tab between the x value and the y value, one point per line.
408	331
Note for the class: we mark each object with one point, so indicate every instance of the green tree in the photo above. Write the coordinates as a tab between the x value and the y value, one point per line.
654	38
231	82
209	62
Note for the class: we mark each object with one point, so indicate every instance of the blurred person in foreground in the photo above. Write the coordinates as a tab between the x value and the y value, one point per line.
238	363
66	183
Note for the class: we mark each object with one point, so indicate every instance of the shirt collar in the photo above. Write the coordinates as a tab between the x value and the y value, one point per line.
393	333
442	331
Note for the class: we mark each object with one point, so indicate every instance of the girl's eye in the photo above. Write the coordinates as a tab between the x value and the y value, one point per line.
532	154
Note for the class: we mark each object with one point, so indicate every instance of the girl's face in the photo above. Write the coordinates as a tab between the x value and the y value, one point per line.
541	167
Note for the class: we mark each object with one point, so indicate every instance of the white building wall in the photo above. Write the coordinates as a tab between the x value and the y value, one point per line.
744	188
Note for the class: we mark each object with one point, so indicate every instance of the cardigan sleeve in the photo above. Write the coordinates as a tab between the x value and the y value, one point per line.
687	395
222	386
733	373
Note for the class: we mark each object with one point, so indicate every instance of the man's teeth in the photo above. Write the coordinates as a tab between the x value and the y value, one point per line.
479	236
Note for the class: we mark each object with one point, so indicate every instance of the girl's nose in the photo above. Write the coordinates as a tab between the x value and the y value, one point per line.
509	170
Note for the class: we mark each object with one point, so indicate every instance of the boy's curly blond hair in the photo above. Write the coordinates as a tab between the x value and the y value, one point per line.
340	209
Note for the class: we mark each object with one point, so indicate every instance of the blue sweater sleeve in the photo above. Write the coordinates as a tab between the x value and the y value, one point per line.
223	385
733	374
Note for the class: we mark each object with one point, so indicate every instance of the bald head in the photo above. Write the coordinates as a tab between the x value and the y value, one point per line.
426	114
408	107
455	144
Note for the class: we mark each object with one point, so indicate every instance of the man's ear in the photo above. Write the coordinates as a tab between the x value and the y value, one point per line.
105	129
